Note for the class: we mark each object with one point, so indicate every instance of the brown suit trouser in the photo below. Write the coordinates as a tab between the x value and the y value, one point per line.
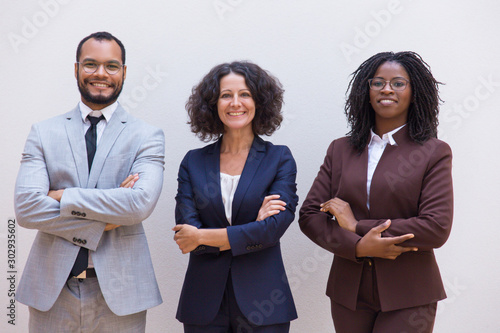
368	317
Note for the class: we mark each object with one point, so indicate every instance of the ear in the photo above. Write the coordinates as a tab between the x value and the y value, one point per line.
124	72
76	70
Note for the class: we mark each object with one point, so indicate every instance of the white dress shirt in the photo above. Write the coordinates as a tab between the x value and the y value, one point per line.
107	112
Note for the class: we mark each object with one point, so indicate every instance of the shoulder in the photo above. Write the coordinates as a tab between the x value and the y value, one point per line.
339	146
437	149
263	145
59	119
199	154
138	123
440	144
427	155
208	149
432	148
272	151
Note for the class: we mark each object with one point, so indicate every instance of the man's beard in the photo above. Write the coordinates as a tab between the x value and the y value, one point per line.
98	99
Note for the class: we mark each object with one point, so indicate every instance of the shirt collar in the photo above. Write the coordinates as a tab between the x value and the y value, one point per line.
107	112
387	137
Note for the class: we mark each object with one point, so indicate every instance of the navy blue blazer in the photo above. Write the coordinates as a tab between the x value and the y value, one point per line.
259	280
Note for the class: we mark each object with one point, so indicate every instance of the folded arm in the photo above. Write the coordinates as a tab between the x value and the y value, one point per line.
432	225
35	209
338	235
273	218
267	232
318	225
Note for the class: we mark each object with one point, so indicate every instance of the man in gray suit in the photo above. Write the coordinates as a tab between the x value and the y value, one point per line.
88	178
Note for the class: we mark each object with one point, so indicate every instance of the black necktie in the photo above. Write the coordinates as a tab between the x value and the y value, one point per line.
82	260
91	139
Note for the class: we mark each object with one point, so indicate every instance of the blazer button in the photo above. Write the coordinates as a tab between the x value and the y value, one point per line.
83	214
248	248
84	242
75	240
260	246
73	212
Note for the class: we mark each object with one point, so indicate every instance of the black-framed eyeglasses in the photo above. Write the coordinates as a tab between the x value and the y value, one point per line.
396	84
90	67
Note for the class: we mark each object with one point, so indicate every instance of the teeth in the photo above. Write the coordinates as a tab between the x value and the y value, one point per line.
100	85
236	113
386	101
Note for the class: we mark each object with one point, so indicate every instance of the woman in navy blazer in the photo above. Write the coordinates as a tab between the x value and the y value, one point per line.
235	199
388	188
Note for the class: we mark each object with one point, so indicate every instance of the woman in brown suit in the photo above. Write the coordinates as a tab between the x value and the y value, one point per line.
383	200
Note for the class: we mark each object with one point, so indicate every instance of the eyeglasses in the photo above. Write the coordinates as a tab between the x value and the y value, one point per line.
90	67
397	84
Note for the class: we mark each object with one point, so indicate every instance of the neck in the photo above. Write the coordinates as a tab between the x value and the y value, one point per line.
96	107
234	142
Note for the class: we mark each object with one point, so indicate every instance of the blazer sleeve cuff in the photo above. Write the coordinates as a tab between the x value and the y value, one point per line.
205	249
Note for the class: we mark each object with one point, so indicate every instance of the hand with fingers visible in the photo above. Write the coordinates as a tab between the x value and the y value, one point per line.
129	182
342	212
270	206
187	237
374	245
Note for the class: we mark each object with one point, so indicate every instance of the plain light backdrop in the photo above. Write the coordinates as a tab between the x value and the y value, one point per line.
312	47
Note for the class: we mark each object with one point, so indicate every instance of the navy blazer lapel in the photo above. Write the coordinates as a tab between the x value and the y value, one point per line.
257	152
212	173
76	137
115	126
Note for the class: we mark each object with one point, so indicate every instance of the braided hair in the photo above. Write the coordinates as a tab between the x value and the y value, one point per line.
423	111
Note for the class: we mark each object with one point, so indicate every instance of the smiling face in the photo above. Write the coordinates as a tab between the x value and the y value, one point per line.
100	89
390	106
236	107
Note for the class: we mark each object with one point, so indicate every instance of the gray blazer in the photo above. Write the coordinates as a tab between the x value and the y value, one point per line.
55	158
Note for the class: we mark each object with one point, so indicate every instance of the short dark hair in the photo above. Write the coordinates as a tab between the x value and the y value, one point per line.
99	36
266	90
423	111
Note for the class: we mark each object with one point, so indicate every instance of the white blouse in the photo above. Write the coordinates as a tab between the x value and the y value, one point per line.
228	185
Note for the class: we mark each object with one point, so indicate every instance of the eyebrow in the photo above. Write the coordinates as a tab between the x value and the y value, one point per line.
106	62
396	77
232	91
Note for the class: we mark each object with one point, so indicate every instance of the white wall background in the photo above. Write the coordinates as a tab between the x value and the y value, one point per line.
312	47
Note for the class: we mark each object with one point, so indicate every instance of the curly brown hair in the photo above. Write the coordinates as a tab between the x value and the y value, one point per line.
266	90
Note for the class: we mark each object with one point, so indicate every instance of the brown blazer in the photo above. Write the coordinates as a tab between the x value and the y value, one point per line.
412	186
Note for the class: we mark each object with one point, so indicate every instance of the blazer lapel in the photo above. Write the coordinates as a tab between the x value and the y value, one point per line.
115	126
76	137
257	152
386	163
212	173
